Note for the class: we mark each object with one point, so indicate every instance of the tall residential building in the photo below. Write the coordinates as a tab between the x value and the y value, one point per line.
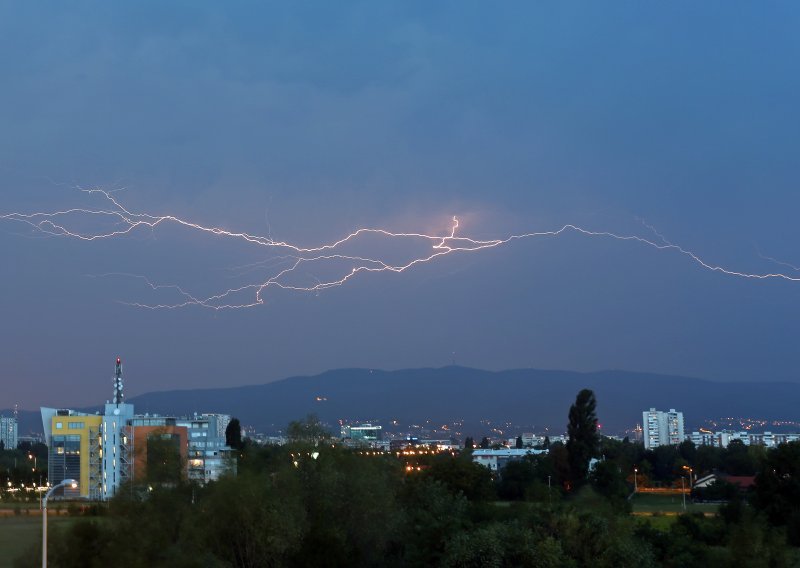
8	432
662	428
221	421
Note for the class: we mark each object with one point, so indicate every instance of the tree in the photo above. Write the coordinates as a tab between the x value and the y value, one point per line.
462	476
687	451
778	489
164	463
516	477
583	440
308	430
609	481
469	443
736	459
519	442
257	521
485	443
233	434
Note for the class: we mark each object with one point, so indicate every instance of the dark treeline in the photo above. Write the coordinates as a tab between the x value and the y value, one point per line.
313	504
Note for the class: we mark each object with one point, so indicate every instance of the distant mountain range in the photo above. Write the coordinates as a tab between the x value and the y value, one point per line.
525	397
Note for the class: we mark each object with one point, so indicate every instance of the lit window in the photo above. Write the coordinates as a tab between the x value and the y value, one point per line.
59	425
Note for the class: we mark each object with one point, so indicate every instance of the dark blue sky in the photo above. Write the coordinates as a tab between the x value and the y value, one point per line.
313	119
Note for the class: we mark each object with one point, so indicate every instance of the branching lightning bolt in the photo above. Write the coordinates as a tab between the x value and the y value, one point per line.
294	258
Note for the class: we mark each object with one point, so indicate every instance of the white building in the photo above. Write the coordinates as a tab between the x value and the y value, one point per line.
723	438
362	433
495	460
209	456
222	421
8	432
115	447
529	440
703	438
662	428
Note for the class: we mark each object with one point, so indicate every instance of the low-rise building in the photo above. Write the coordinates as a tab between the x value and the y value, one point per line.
496	460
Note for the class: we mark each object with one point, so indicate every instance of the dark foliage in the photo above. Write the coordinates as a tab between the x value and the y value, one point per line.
584	442
313	504
233	434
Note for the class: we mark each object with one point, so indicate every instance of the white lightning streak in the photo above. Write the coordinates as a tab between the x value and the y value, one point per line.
294	257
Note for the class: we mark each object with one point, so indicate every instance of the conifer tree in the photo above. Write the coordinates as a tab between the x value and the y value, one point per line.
584	442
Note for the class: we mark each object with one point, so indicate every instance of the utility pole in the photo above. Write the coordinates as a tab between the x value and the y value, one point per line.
683	493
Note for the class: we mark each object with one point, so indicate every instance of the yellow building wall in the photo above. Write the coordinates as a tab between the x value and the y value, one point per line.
89	422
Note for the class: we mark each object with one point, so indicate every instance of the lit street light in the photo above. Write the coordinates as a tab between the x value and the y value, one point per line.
635	483
689	471
72	483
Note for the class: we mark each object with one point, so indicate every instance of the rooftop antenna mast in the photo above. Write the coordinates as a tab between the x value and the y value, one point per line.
118	396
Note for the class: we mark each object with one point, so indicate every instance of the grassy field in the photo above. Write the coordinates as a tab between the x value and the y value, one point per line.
19	505
18	533
650	503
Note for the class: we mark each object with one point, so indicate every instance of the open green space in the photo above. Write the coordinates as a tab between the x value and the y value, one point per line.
656	503
19	533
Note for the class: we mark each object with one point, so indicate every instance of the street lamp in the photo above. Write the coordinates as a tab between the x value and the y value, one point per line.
635	483
73	484
689	471
683	492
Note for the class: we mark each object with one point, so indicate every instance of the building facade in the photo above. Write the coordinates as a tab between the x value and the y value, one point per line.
496	460
723	438
662	428
74	441
362	435
103	451
8	432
